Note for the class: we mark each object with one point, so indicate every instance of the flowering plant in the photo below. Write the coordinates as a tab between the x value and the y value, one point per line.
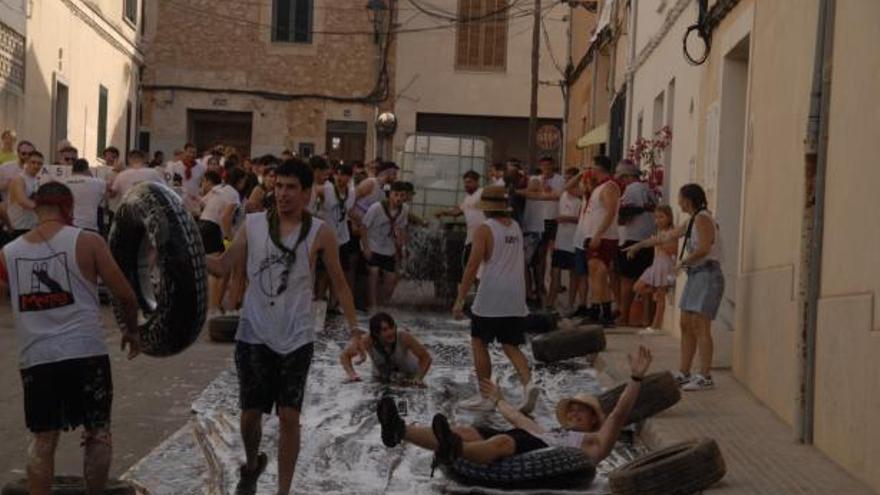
650	153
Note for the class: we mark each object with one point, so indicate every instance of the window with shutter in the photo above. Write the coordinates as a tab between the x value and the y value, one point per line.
481	37
292	21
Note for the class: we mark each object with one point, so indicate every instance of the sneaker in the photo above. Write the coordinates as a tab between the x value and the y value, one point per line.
530	398
393	427
477	403
214	313
649	331
247	478
699	382
449	445
681	379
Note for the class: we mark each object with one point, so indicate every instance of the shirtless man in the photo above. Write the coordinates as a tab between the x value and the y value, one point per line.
276	328
582	424
51	274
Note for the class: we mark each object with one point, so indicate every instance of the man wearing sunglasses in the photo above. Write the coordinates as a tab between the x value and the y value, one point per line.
279	249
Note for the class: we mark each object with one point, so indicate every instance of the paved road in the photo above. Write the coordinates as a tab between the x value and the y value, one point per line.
152	400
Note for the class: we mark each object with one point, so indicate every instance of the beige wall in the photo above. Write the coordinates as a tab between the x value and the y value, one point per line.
848	335
582	25
428	81
85	45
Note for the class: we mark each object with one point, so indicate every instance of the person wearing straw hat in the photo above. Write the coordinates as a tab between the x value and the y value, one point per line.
499	309
582	422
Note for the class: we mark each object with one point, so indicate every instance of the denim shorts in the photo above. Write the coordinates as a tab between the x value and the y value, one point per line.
703	290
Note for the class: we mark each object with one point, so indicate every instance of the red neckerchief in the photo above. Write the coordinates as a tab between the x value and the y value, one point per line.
188	166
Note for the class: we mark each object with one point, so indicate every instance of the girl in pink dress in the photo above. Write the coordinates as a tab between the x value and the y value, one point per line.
661	274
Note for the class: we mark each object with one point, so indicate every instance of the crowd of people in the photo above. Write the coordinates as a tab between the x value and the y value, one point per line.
281	232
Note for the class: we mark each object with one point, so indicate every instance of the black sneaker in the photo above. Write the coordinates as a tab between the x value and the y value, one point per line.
247	478
393	427
449	445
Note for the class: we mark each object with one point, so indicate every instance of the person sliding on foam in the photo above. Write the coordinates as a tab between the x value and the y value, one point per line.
583	425
397	356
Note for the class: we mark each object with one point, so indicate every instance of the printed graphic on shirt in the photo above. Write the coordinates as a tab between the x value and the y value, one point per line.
43	283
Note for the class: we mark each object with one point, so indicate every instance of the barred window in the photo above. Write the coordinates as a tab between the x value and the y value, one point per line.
481	42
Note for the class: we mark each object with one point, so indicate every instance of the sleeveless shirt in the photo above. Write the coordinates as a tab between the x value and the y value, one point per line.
56	309
502	289
282	320
596	212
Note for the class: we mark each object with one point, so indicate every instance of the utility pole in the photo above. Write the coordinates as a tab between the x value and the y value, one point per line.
533	111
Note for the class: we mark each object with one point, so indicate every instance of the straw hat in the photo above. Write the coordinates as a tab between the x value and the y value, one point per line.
494	198
586	399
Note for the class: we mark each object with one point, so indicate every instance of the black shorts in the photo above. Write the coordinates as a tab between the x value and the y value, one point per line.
347	254
212	237
525	441
563	260
509	330
266	378
633	268
67	394
550	228
383	262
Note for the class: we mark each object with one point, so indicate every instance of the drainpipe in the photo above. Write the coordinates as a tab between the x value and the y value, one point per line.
816	168
566	95
631	73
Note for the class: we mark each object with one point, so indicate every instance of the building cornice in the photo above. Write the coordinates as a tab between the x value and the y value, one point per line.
671	18
104	28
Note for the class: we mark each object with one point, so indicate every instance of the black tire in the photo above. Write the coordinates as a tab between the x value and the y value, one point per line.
657	393
549	468
223	328
174	308
541	322
69	485
566	344
680	469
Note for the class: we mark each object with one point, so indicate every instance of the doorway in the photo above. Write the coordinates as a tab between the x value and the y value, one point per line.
208	128
346	140
731	152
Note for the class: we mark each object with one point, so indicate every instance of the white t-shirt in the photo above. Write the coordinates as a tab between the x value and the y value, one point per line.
131	177
88	193
8	171
569	206
642	225
473	215
217	200
379	229
335	212
190	189
537	211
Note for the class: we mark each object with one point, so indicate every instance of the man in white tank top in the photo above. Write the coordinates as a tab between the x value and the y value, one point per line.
88	194
499	309
383	234
372	189
51	275
136	173
582	423
21	206
600	230
469	207
276	331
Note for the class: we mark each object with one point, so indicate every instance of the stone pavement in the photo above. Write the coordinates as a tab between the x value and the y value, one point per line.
760	451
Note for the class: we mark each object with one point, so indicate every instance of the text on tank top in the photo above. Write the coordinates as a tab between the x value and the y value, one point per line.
502	289
596	212
277	309
57	312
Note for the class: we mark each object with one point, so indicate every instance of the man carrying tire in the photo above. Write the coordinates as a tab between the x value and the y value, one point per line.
51	274
583	425
276	331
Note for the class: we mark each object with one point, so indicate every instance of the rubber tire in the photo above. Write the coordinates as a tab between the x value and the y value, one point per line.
565	344
657	393
680	469
548	468
175	315
223	328
541	322
69	485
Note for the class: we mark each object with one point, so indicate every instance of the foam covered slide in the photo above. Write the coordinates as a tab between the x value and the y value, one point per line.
549	468
680	469
569	343
157	244
69	485
223	328
657	393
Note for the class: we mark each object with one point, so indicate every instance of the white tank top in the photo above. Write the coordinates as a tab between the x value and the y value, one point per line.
88	193
56	310
378	194
282	320
502	289
473	215
22	218
336	211
563	438
693	242
596	212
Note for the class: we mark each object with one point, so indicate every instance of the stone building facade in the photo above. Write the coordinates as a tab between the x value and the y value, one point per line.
267	75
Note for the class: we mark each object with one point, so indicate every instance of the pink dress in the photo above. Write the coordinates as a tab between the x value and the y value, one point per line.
659	273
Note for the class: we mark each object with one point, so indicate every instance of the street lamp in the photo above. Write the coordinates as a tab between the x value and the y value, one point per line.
376	9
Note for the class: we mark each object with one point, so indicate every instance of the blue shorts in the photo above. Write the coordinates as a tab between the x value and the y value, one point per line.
703	290
580	262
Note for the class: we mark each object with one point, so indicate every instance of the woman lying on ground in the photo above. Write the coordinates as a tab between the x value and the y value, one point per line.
397	356
582	422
